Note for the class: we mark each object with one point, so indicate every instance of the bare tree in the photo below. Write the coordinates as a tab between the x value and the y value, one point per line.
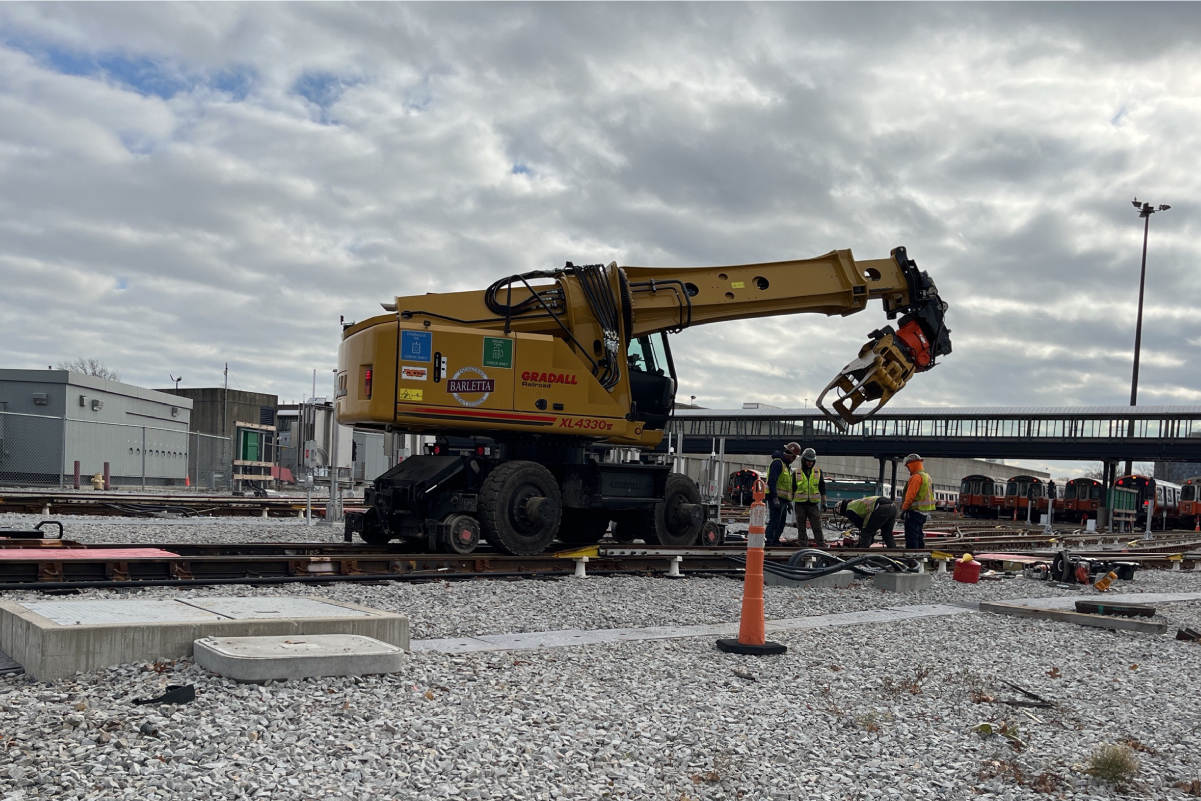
92	367
1095	473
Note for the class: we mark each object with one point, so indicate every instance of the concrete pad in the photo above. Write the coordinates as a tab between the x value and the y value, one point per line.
256	659
903	582
838	580
54	639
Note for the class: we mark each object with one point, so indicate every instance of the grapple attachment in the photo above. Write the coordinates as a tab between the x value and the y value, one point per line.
890	358
878	373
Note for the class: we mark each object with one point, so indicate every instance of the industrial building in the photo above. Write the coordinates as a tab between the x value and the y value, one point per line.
52	419
244	422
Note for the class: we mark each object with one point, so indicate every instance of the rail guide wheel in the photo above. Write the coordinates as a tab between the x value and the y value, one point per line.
461	535
712	534
520	508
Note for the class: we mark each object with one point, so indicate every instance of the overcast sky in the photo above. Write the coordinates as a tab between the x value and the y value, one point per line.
187	185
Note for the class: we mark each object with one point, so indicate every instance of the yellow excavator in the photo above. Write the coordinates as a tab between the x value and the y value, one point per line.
528	384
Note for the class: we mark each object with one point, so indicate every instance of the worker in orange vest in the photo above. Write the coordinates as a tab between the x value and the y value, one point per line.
918	503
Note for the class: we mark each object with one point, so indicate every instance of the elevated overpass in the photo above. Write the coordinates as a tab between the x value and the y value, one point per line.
1093	433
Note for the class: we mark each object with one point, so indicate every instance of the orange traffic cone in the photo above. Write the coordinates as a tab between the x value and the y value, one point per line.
752	637
1197	527
187	480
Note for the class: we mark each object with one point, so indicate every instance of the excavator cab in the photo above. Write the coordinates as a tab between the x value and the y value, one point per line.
652	379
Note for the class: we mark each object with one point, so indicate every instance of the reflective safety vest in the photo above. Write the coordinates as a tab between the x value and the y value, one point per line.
924	502
864	507
783	481
808	487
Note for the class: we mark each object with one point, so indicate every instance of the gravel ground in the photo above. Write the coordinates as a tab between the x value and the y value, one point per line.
145	530
857	713
864	712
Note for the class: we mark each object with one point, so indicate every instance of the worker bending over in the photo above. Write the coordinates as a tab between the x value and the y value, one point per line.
779	492
918	503
810	497
870	515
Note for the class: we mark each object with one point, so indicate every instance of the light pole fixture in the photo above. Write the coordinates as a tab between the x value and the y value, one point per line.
176	380
1145	210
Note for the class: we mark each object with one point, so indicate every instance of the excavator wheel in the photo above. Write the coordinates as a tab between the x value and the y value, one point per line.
520	508
462	534
677	521
583	526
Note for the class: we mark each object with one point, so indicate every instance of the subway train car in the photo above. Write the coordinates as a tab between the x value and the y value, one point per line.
1190	501
1166	497
1082	497
981	496
1021	492
945	500
740	486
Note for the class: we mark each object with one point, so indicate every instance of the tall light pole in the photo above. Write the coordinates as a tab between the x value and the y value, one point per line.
176	380
1145	210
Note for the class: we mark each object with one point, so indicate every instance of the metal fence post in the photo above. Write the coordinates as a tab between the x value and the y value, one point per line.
143	458
62	453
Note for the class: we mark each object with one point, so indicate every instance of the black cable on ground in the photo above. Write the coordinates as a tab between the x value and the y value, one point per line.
827	563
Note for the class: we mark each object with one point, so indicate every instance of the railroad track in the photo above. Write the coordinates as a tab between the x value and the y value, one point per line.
111	503
65	565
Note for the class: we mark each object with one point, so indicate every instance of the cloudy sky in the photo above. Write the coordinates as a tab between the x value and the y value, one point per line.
187	185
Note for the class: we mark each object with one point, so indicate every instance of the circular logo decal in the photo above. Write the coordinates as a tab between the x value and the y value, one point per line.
470	386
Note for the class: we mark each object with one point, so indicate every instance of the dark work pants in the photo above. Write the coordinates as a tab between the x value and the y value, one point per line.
914	536
881	520
812	513
777	513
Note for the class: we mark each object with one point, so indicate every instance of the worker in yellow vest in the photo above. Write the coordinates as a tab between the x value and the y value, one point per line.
779	492
875	513
809	496
918	503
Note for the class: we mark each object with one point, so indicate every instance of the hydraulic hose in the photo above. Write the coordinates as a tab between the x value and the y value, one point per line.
827	563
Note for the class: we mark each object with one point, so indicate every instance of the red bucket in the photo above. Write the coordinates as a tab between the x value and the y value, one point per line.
967	572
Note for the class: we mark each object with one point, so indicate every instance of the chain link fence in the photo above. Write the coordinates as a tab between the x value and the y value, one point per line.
44	451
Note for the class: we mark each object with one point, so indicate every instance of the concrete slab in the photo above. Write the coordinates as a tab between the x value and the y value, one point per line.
903	582
838	580
54	639
257	659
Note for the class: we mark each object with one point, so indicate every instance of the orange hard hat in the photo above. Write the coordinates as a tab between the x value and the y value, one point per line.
794	448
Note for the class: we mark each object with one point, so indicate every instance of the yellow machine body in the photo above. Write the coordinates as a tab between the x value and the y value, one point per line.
450	363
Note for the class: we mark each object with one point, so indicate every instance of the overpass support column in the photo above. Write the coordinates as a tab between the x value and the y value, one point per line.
894	478
880	480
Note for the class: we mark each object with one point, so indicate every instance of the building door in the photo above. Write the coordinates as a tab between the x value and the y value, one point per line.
251	445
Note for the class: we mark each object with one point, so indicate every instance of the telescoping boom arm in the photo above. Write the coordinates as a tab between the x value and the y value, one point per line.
581	350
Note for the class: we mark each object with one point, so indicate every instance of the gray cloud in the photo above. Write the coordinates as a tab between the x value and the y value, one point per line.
184	185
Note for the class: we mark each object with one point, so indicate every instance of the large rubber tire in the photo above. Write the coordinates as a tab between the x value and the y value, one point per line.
583	526
502	498
661	527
